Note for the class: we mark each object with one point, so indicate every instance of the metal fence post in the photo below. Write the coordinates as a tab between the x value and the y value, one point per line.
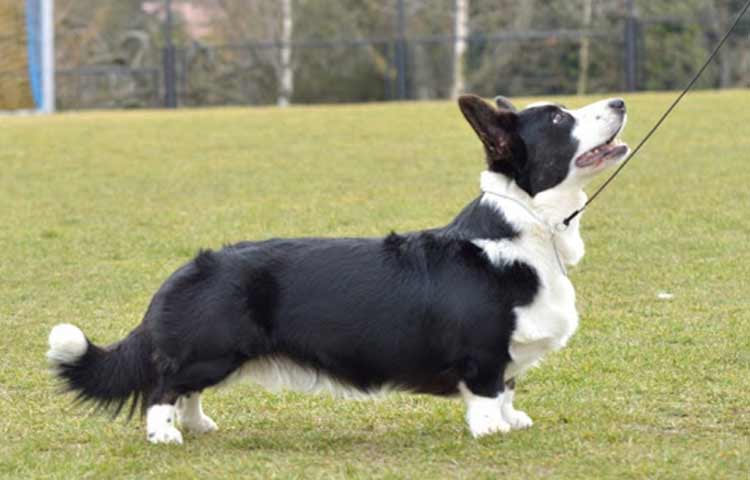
401	49
48	55
170	70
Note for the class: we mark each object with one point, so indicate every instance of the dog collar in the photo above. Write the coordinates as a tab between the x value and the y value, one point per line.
553	230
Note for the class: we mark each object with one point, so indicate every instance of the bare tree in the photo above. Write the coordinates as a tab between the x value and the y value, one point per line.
460	34
286	84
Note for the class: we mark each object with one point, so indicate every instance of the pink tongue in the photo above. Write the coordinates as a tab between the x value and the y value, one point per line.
588	159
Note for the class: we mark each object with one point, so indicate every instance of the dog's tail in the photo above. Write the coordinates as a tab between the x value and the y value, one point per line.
105	376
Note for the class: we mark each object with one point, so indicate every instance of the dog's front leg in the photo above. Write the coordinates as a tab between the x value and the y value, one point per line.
515	418
483	413
482	389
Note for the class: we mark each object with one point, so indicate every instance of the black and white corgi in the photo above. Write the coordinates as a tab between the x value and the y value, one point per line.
459	310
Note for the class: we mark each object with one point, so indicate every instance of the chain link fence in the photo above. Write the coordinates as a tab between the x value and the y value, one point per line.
133	53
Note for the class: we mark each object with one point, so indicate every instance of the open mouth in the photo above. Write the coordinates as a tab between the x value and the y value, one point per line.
614	148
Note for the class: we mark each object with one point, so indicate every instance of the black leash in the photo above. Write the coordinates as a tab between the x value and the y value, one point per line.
573	215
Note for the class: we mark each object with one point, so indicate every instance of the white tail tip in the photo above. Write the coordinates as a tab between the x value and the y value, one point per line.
67	344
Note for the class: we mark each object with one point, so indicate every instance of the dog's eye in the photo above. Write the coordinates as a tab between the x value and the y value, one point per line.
558	118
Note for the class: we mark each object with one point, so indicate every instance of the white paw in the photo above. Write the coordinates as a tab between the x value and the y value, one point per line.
485	421
517	419
202	424
165	435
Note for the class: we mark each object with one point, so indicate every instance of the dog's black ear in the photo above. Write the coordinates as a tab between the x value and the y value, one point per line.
497	131
505	104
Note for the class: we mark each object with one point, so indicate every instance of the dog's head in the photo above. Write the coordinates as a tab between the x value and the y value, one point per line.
545	145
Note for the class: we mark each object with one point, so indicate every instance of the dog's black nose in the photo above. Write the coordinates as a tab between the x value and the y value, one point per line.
617	104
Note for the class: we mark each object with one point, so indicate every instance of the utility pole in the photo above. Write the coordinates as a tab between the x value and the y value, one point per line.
401	49
170	70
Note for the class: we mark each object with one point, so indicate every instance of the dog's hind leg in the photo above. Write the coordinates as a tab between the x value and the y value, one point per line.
164	409
190	414
516	418
160	422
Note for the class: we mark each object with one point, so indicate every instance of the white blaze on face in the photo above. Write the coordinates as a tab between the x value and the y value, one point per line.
596	124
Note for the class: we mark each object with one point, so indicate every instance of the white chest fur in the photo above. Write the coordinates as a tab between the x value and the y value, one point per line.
544	326
551	319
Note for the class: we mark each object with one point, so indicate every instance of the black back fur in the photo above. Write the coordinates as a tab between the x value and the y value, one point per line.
418	311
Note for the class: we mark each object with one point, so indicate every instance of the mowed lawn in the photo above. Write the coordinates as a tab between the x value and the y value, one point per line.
97	209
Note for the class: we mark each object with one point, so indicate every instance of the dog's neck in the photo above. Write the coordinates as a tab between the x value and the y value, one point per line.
549	208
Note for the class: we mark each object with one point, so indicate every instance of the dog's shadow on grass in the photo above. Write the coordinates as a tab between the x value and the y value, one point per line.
302	443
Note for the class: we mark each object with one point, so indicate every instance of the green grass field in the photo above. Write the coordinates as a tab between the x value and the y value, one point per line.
97	209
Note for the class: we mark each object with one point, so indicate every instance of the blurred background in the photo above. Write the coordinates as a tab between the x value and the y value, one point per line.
174	53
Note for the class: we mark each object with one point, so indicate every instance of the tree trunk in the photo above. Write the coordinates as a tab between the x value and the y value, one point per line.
719	20
583	57
286	80
460	34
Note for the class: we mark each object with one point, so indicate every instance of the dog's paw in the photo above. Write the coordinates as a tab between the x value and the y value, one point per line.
517	419
165	435
202	424
486	421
